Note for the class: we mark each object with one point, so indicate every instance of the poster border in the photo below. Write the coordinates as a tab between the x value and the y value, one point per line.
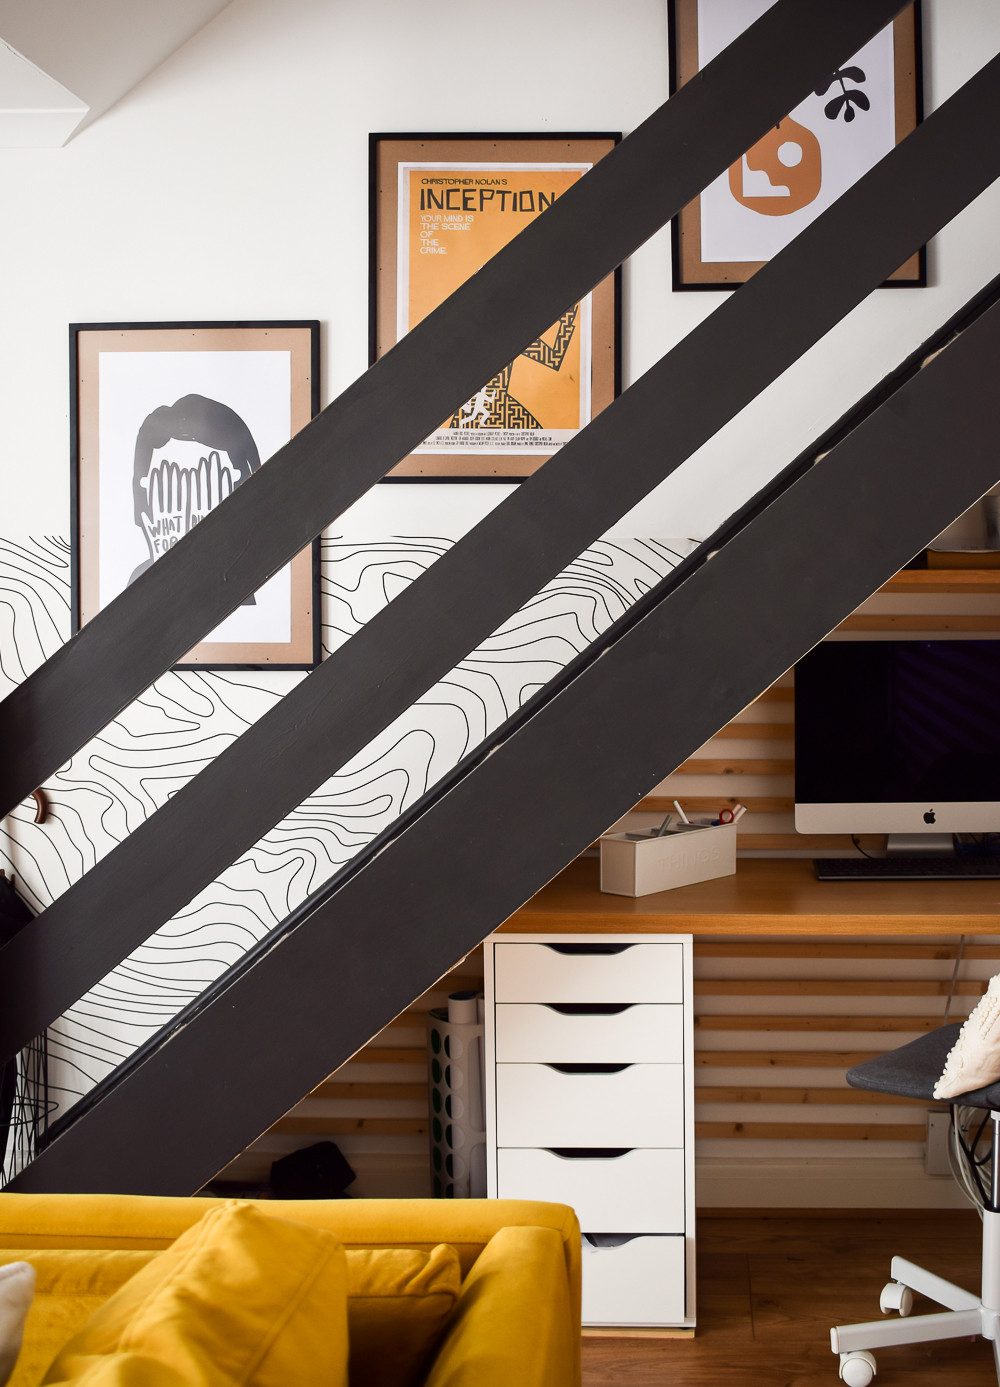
606	378
689	271
303	650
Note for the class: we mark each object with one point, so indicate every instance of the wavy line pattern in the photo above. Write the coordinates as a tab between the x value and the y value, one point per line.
187	717
34	620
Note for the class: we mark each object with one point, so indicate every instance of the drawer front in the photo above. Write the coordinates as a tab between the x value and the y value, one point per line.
641	1034
641	1105
639	1192
639	1282
540	973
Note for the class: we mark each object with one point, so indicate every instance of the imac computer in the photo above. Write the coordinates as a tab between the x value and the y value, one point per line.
902	737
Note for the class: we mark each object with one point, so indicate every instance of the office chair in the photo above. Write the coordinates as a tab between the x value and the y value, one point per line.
911	1071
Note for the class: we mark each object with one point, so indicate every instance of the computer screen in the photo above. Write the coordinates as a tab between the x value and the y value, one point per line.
898	736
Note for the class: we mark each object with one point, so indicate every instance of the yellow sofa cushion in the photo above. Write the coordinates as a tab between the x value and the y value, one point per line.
240	1298
17	1284
399	1302
70	1284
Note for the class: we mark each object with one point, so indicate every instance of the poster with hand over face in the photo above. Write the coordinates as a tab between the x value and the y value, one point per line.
168	421
442	207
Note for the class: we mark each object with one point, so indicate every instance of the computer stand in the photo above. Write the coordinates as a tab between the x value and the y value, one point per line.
919	844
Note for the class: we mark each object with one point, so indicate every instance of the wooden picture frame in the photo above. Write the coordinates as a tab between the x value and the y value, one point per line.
165	420
748	214
441	206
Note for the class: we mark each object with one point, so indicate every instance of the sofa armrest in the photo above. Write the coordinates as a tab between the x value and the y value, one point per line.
517	1320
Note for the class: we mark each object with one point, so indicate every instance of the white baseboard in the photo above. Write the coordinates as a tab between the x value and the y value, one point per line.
871	1182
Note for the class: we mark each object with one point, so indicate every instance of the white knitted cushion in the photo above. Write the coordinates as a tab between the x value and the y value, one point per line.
17	1286
974	1059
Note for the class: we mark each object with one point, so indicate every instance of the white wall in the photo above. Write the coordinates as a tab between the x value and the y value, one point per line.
232	183
96	51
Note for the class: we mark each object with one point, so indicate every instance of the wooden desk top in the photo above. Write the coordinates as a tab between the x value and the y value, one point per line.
765	896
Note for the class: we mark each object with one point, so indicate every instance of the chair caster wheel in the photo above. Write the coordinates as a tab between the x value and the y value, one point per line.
895	1296
857	1369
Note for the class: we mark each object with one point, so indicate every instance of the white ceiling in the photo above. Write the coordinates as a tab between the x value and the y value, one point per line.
63	63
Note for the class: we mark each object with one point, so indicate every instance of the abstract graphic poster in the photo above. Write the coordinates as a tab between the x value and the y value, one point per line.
850	121
452	219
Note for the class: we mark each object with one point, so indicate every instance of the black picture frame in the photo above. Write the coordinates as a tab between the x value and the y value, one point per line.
691	269
467	200
142	388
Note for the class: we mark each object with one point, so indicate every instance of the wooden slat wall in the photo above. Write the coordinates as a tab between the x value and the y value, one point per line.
751	760
776	1023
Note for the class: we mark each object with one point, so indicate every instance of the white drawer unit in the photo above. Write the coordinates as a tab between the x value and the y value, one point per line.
639	1191
639	1281
635	1105
590	1101
632	1033
621	972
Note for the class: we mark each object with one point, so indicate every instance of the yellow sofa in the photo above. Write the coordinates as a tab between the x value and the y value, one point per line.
517	1317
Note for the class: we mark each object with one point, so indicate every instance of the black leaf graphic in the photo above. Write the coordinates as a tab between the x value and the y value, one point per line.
846	103
842	74
832	108
847	100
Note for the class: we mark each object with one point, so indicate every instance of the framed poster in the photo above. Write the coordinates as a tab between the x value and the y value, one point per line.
791	175
166	420
441	206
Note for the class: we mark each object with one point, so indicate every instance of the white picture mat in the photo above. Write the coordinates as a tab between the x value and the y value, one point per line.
732	232
257	386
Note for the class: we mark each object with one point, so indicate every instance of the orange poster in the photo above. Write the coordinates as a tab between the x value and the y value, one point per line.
452	218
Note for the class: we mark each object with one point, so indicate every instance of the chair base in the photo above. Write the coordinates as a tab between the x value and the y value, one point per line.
965	1316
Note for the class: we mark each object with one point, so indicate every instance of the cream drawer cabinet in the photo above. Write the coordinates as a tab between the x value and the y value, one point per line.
590	1099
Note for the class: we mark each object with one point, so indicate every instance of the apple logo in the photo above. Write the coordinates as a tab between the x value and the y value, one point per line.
929	817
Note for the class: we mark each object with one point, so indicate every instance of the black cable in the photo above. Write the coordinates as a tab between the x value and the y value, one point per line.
970	1154
981	1160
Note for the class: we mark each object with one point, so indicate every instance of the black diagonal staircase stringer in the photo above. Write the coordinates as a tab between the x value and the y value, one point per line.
581	756
378	420
504	561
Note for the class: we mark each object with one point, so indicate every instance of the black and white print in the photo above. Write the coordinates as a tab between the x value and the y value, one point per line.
182	722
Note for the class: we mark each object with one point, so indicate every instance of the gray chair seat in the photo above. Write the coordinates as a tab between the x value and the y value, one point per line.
912	1070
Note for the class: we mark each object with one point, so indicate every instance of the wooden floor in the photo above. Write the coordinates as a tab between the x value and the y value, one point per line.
769	1289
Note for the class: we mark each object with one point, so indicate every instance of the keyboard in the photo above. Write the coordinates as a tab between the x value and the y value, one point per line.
942	867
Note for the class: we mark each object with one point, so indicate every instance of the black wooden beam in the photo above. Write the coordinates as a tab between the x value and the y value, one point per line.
562	255
471	590
701	651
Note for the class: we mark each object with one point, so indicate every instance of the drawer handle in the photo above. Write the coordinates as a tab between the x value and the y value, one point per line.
589	948
589	1008
599	1240
589	1153
589	1068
